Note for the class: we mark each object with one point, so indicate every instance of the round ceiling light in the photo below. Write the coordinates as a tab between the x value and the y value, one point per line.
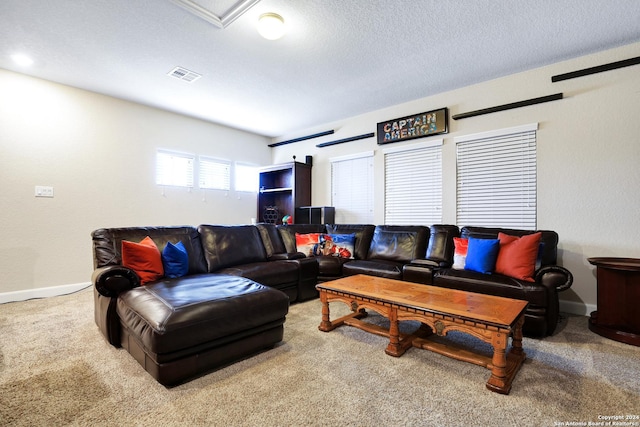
271	26
22	60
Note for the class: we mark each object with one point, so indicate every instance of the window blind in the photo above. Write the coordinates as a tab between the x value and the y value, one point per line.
173	168
496	179
352	189
246	178
413	185
214	173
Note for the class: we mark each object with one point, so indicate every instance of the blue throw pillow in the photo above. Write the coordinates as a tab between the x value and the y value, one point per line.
482	255
175	260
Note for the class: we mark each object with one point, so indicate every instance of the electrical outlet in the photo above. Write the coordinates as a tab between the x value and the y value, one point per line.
44	191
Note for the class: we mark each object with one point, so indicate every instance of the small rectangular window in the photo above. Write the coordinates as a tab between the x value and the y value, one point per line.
246	178
174	168
214	173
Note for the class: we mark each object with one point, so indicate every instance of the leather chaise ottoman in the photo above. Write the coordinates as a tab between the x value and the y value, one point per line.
181	329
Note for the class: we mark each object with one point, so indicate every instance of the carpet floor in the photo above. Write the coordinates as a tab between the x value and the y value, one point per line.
57	370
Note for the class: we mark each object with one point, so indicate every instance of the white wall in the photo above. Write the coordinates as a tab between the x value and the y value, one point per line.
98	153
588	156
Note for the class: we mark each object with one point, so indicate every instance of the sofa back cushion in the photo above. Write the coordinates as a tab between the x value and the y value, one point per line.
230	245
107	244
271	239
548	242
363	232
398	243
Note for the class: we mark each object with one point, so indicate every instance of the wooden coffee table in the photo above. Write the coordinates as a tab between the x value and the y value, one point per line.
439	310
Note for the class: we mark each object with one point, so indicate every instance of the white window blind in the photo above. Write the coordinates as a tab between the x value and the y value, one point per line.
246	178
173	168
214	173
496	178
352	189
413	185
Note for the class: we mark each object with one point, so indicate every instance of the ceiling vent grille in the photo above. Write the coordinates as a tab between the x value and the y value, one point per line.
184	74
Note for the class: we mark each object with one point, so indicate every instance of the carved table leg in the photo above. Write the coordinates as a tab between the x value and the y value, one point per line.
394	348
516	345
325	324
497	381
504	367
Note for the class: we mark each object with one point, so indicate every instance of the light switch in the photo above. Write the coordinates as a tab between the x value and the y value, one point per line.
44	191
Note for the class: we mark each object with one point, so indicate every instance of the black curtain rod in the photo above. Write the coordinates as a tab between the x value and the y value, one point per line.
519	104
302	138
598	69
340	141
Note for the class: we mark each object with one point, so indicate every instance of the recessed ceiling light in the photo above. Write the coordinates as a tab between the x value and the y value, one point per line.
22	60
271	26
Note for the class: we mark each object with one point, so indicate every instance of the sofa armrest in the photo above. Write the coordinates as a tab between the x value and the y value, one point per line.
286	256
430	263
554	276
114	279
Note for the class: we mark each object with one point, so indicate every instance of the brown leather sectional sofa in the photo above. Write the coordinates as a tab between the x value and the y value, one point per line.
231	303
235	296
423	254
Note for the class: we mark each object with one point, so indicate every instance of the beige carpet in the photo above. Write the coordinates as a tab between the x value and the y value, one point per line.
57	370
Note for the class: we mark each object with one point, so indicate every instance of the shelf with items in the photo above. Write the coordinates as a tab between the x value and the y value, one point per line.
283	189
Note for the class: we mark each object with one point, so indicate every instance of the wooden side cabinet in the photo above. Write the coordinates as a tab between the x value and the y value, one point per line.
282	189
617	317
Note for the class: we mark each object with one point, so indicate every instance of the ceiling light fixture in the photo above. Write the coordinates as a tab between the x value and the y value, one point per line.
22	60
271	26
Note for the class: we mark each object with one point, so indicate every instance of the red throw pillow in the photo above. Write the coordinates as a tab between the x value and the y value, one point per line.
144	258
308	243
517	256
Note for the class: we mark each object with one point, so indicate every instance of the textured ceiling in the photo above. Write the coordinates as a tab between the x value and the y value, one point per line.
340	58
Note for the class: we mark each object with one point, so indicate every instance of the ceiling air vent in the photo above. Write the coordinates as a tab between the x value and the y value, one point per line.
184	74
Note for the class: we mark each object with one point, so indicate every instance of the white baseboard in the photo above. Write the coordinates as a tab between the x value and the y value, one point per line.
573	307
41	292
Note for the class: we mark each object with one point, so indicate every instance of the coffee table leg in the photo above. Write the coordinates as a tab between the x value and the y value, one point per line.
394	348
504	367
497	380
516	345
325	324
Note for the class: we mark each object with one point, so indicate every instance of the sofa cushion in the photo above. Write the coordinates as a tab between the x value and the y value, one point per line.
339	245
308	243
482	255
517	256
460	252
288	233
398	243
175	260
230	245
363	232
144	258
175	314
